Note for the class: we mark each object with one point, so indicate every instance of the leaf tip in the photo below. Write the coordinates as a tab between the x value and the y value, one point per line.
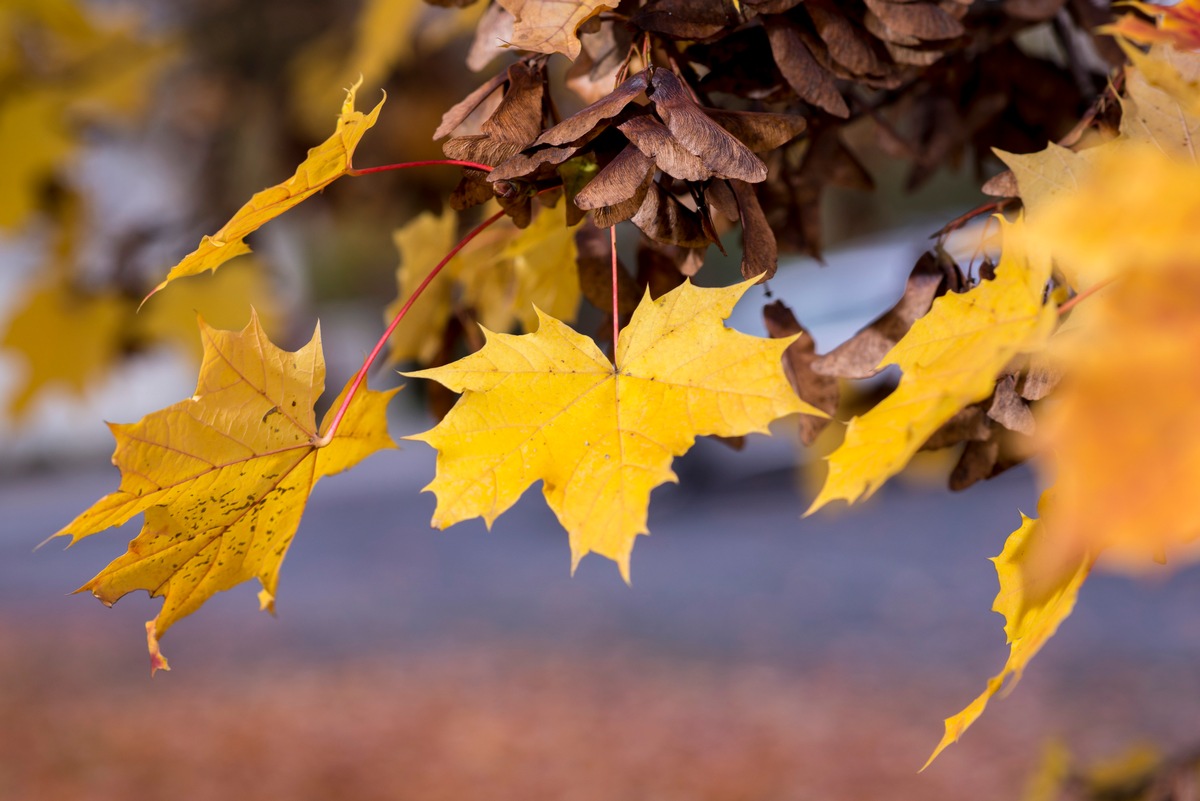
157	660
266	601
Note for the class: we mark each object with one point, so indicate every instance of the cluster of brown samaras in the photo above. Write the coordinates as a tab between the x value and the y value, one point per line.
740	108
699	115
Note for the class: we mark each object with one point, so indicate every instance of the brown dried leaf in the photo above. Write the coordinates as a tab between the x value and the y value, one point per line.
819	390
858	357
525	165
717	148
1009	409
967	425
518	118
512	126
685	19
761	131
459	112
925	21
622	180
583	121
654	140
664	219
549	27
594	73
492	35
1002	185
719	195
760	254
1039	380
980	460
848	44
473	188
808	79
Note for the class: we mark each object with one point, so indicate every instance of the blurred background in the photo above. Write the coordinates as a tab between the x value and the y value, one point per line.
757	655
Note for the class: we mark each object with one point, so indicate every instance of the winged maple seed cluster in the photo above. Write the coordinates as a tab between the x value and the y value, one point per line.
695	116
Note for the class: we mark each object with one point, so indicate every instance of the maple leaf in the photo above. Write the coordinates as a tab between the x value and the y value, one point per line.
324	164
502	274
224	476
1032	609
950	358
549	26
550	406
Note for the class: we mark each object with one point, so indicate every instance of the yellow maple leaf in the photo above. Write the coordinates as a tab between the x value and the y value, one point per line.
1032	609
422	243
550	406
950	358
324	164
502	274
549	26
523	268
224	476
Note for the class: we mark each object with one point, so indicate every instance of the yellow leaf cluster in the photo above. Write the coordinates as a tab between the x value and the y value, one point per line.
502	274
550	406
325	163
950	358
224	476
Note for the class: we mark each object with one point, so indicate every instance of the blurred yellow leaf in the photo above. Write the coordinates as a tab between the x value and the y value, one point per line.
325	163
550	406
64	336
82	72
950	358
422	243
1032	612
516	269
502	275
224	476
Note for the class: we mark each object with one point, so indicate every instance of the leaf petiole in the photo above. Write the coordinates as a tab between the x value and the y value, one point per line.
431	163
327	437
